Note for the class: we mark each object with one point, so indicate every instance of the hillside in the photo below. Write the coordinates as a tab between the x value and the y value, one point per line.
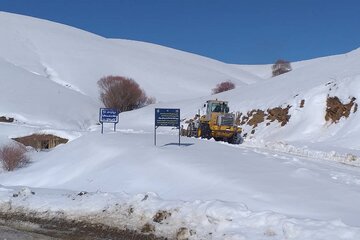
315	83
75	60
296	176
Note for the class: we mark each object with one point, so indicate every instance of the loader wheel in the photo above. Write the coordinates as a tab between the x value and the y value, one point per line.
204	131
236	139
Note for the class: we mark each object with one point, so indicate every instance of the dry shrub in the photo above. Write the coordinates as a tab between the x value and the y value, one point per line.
13	155
123	94
280	67
223	86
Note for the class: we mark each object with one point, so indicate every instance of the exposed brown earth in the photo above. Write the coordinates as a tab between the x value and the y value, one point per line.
160	216
279	114
79	230
256	116
302	103
148	228
335	109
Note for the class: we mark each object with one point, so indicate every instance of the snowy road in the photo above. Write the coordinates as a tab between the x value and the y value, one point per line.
7	233
207	180
199	170
10	233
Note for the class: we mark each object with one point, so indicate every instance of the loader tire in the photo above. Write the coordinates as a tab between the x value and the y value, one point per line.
204	131
236	139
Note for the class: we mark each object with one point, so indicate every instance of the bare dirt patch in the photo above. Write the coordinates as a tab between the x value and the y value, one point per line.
302	103
71	230
279	114
256	116
335	109
160	216
148	228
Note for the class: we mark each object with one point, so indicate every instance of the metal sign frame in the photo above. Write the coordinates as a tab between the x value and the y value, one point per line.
167	117
108	115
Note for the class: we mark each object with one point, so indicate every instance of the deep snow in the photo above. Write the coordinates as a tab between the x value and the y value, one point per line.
300	181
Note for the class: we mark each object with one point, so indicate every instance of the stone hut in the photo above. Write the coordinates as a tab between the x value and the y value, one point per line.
41	141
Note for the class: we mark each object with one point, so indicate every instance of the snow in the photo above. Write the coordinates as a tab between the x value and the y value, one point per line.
202	219
299	181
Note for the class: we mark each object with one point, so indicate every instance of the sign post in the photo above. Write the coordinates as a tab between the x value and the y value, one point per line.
167	117
108	115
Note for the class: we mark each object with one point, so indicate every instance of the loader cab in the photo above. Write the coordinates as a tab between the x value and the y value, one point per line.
214	106
217	106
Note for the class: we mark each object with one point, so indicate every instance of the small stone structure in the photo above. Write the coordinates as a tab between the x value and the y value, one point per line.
41	141
6	119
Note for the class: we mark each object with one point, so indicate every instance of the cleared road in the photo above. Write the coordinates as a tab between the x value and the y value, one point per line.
7	233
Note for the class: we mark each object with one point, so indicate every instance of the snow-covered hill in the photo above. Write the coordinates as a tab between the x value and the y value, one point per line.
75	60
313	82
286	181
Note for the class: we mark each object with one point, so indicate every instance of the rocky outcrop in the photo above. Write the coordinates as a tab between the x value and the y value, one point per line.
335	109
256	116
279	114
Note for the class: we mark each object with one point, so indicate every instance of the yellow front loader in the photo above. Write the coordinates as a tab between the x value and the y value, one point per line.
217	123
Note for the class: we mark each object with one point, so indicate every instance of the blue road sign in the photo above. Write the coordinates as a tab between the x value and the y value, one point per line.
167	117
108	115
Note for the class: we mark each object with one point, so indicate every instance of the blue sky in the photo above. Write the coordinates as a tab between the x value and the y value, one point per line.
233	31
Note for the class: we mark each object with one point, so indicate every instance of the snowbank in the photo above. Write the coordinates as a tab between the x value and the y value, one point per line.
148	213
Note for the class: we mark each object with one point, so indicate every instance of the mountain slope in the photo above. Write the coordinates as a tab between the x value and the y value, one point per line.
71	60
314	83
80	59
75	60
